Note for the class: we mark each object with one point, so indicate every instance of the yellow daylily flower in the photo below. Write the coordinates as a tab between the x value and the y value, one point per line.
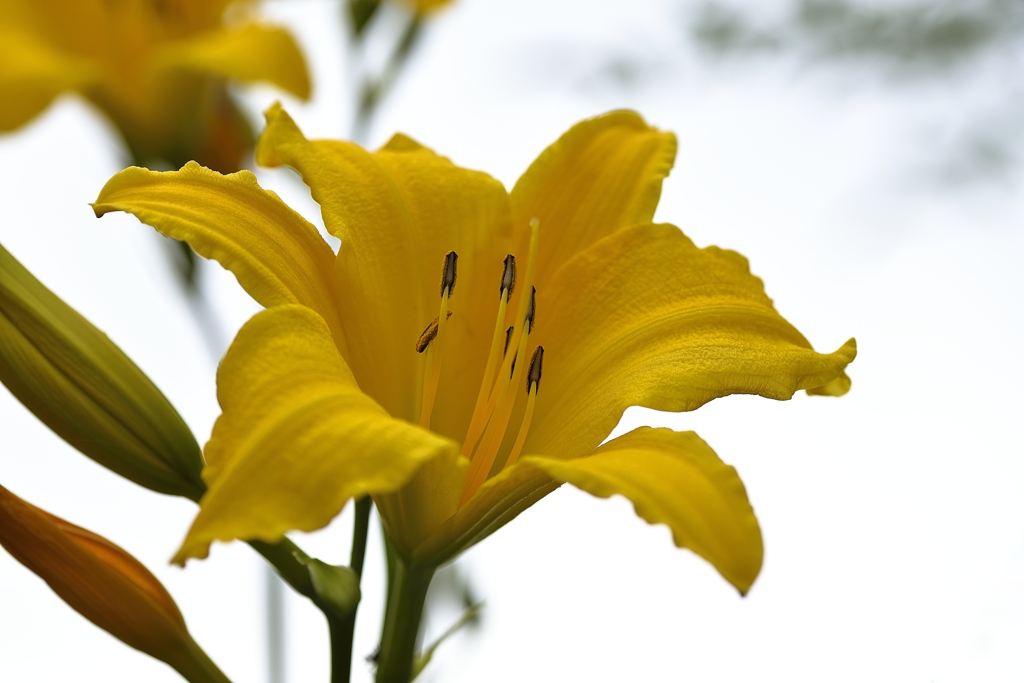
157	68
104	584
325	397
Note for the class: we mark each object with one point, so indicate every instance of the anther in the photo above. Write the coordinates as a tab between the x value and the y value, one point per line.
531	312
429	334
508	277
508	338
432	364
536	366
448	272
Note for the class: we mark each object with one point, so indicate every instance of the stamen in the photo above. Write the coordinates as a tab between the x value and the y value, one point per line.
481	464
508	338
432	369
531	312
448	272
527	305
478	421
532	387
536	368
508	277
428	335
492	420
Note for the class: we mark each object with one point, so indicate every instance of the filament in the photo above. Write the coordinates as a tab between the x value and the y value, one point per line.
432	370
481	409
524	429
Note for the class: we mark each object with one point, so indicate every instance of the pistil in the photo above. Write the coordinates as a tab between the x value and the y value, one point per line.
435	348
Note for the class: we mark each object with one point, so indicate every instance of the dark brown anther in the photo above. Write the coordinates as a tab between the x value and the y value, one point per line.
448	272
508	338
508	276
531	312
536	365
428	334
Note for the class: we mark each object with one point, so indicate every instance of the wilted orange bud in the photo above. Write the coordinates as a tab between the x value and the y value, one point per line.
104	584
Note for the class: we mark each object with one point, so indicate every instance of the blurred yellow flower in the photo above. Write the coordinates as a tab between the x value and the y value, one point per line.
157	68
325	397
104	584
424	6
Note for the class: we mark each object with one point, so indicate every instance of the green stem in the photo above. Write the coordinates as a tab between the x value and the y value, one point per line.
407	592
343	630
195	666
362	525
284	555
375	90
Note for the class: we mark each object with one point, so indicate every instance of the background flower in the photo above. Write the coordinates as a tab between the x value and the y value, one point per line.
157	68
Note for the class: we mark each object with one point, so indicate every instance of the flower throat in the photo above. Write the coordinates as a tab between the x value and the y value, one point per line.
503	371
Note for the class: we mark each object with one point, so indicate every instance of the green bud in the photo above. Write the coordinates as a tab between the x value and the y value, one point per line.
337	587
83	387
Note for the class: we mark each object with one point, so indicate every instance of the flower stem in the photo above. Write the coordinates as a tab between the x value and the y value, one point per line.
195	666
343	630
407	592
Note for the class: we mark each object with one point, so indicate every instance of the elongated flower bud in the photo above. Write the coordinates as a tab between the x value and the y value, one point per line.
83	387
104	584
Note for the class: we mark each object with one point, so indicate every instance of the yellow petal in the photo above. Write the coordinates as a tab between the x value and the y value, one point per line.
104	584
82	386
277	256
671	477
297	438
674	478
397	212
453	209
837	387
32	73
661	324
604	174
253	53
424	6
499	501
191	16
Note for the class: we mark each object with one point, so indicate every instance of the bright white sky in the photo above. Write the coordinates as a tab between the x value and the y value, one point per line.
893	518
